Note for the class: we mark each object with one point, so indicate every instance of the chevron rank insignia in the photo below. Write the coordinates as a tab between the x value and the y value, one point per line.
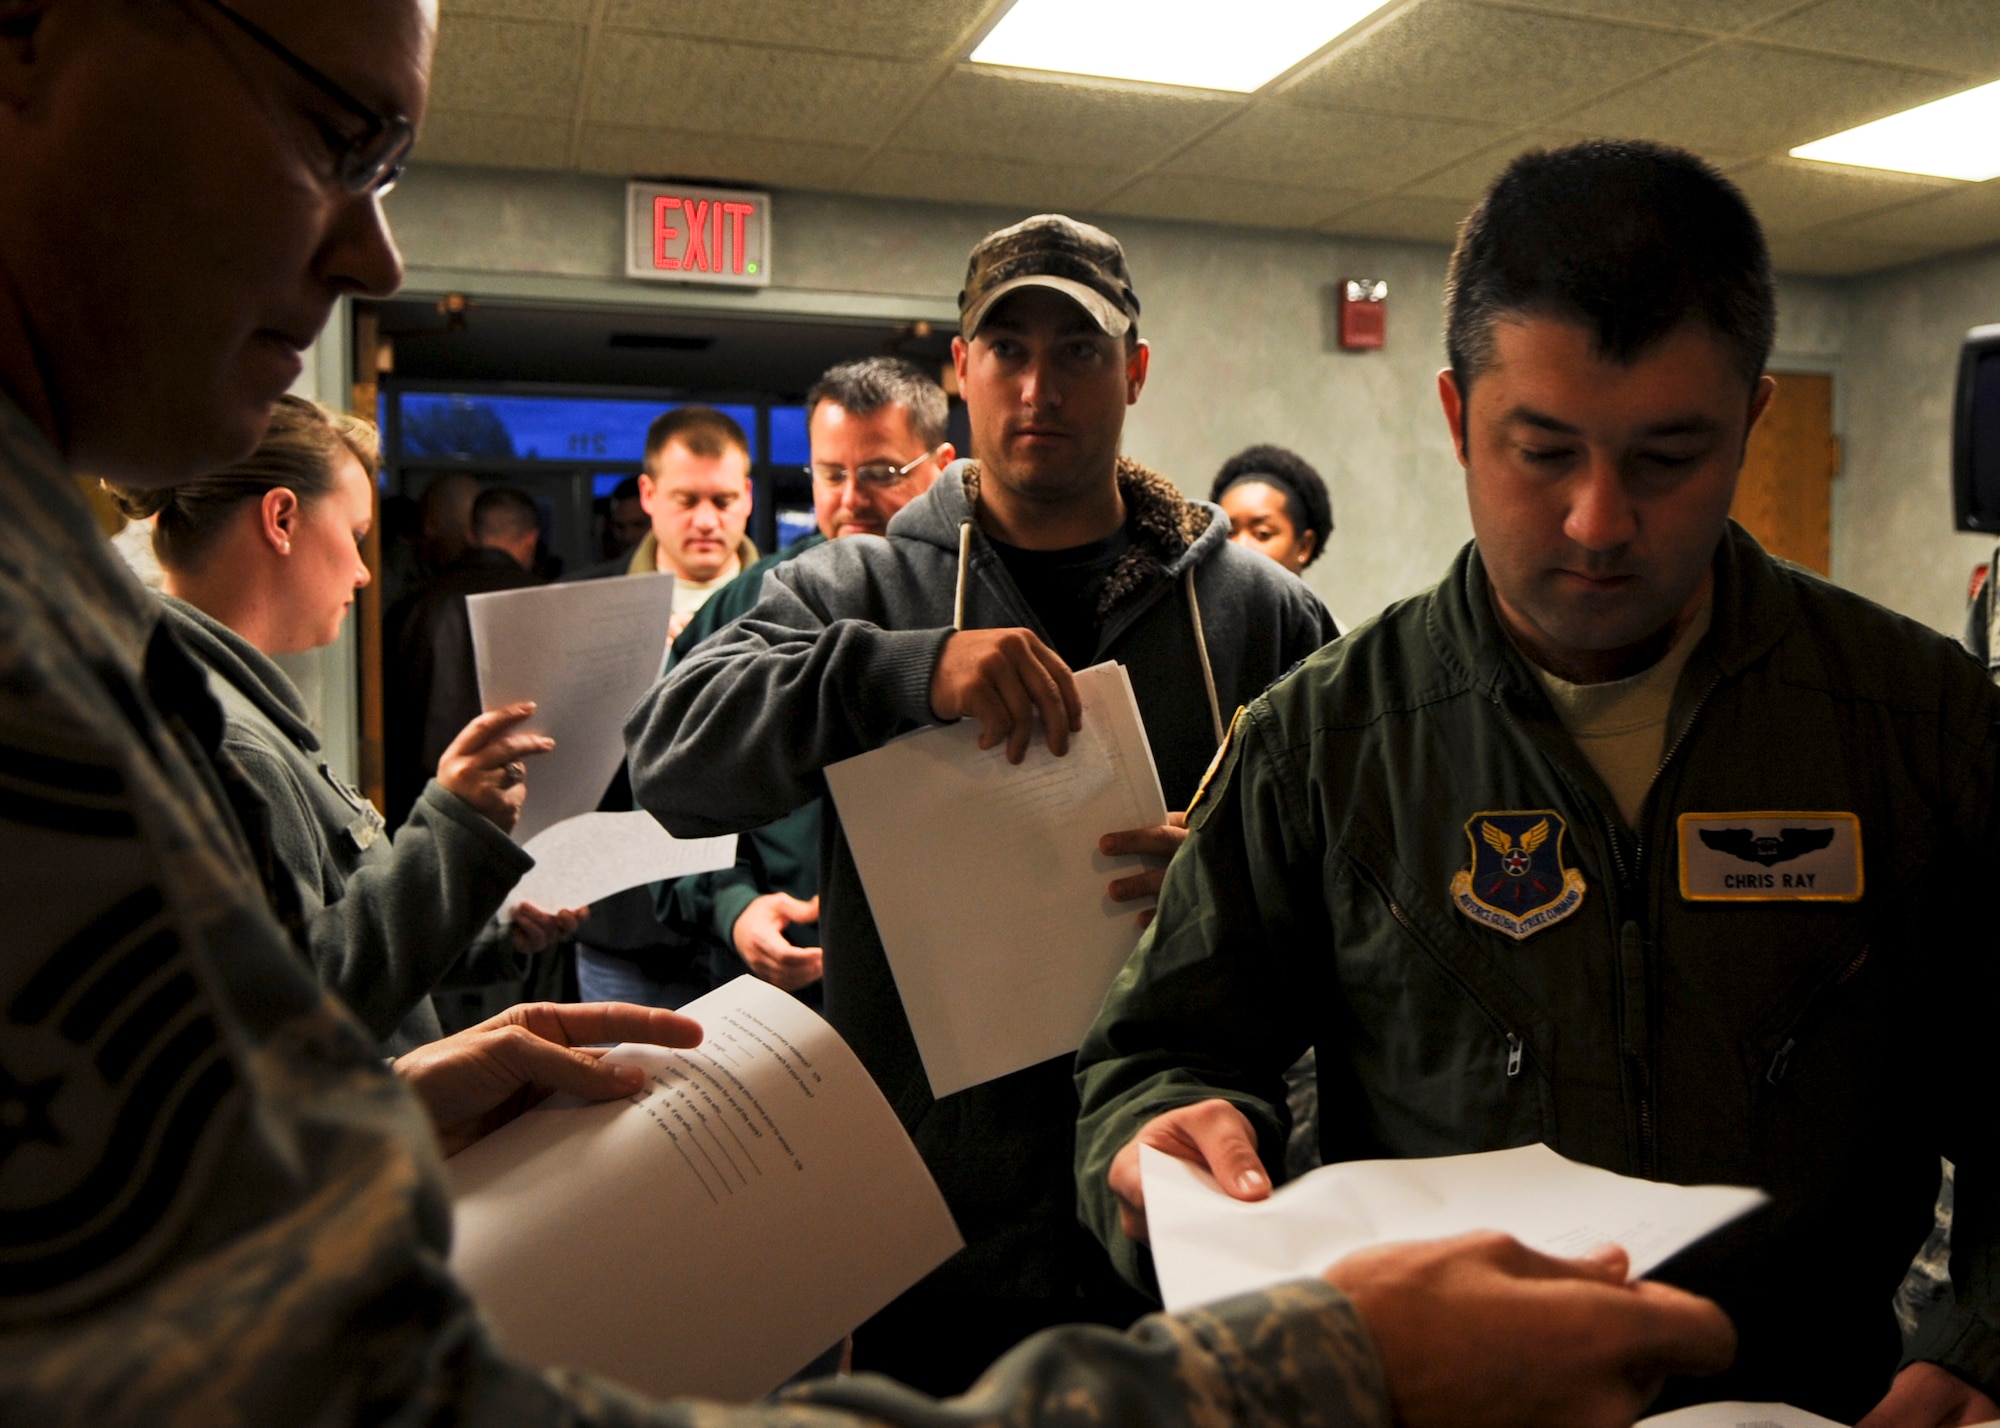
1517	883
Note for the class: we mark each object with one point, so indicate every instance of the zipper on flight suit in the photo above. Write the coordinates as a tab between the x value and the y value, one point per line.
1515	1046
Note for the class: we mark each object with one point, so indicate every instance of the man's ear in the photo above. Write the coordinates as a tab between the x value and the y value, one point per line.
959	353
1137	363
1760	402
1453	402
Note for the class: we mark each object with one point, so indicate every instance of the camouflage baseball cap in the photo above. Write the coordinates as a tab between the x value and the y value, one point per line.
1083	263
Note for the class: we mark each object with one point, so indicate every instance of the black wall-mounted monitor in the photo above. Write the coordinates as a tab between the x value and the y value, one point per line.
1975	435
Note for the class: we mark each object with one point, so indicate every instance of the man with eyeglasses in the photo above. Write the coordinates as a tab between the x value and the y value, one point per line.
216	1205
876	428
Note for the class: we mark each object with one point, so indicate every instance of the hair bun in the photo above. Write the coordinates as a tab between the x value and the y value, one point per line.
140	505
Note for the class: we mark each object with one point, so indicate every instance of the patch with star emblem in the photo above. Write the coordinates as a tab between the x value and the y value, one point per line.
1770	857
1517	883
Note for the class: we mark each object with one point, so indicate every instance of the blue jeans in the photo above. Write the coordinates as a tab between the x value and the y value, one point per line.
603	976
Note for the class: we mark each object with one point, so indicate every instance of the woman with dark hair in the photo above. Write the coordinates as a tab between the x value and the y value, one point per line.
1276	503
263	559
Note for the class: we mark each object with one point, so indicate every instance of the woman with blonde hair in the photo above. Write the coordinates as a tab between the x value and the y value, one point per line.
263	559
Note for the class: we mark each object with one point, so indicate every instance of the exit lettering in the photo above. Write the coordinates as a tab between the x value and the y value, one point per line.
699	235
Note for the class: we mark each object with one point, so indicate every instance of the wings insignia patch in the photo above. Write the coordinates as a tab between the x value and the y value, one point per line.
1770	857
1517	884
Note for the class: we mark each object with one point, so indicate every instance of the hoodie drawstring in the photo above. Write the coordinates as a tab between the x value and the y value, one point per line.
1207	670
964	560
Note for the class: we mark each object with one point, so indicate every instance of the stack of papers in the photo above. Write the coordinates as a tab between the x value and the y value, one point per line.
717	1231
584	653
1738	1415
1207	1246
986	883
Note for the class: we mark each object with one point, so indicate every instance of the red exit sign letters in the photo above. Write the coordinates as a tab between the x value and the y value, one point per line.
682	233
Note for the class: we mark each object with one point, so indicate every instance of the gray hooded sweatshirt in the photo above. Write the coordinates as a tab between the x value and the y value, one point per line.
836	659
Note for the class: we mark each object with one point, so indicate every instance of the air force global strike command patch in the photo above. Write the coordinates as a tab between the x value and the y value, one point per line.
1517	883
1770	857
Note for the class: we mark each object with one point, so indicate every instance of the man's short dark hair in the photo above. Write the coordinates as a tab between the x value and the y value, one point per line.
704	431
1625	238
504	512
1288	473
865	386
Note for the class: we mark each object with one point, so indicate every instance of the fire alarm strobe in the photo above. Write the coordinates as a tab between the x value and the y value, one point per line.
1364	313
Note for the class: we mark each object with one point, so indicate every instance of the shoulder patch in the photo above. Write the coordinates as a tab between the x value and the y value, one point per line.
1517	884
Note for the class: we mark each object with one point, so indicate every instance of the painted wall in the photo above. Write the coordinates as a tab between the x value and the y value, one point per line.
1892	521
1239	325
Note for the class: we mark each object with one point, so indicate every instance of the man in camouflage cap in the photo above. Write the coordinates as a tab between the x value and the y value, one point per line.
216	1205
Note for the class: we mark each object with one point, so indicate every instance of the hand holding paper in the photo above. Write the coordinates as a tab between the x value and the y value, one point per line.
1207	1246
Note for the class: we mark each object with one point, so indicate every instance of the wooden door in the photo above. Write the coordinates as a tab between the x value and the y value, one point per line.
1785	495
371	359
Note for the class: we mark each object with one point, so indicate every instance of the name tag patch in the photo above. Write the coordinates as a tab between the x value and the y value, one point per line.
1770	857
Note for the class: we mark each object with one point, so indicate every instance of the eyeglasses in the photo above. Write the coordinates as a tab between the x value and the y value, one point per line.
881	475
368	162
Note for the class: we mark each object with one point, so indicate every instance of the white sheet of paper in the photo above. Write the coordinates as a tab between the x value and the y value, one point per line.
986	883
593	855
713	1235
584	653
1738	1415
1207	1246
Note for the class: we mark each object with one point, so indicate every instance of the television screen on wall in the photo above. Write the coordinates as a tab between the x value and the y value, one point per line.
1975	454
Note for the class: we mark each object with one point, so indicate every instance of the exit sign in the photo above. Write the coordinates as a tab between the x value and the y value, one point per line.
680	233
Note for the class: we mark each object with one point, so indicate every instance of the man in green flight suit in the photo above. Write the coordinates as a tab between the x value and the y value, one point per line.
1626	837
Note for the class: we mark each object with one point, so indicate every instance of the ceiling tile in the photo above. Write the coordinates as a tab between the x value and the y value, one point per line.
1469	179
495	140
906	29
1823	254
1967	217
1007	183
656	82
575	12
1721	17
1794	194
1334	148
1962	36
1230	202
507	67
978	111
1466	61
1742	99
724	158
1416	220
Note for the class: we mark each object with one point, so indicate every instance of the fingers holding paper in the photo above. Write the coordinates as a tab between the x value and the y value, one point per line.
535	930
1162	842
1005	679
483	1077
484	765
1533	1339
1213	1134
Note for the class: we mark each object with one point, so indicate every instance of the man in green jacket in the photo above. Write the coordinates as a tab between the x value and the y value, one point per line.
876	429
1626	837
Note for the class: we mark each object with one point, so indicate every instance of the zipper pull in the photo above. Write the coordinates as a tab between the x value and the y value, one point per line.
1781	1063
1513	1055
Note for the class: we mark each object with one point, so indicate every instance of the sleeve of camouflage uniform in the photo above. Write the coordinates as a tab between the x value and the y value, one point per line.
1208	1003
735	736
1962	1331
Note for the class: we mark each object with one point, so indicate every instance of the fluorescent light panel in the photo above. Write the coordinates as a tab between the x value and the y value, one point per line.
1957	137
1200	45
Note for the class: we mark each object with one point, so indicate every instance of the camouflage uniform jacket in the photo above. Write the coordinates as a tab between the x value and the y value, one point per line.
1340	890
217	1207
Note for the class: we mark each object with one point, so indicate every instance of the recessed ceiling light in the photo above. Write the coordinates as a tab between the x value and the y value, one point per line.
1957	137
1169	41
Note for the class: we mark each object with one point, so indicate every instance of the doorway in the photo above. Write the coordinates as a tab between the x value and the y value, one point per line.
1785	494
